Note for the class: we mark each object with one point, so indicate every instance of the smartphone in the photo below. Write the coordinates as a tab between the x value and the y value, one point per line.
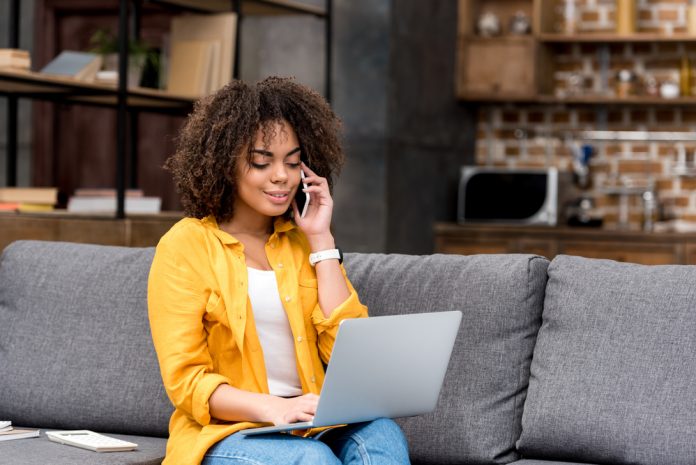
302	198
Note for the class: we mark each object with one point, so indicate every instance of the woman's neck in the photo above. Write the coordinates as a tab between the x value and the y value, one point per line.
251	223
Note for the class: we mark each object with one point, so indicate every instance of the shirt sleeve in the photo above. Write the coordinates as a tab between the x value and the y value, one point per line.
327	327
177	299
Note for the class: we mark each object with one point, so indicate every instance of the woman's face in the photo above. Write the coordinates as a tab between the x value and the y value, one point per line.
267	184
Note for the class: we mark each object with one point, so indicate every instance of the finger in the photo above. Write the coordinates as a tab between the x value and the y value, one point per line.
316	180
303	417
310	407
307	169
316	189
322	195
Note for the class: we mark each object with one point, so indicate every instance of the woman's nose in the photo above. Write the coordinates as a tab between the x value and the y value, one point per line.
280	174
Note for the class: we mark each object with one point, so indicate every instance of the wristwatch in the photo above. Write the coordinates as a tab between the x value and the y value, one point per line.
316	257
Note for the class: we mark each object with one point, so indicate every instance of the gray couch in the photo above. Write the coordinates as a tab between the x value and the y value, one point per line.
573	361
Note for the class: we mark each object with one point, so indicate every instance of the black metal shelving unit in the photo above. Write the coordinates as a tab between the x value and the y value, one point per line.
129	102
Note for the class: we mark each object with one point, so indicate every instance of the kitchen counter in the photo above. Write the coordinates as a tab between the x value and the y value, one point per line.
652	248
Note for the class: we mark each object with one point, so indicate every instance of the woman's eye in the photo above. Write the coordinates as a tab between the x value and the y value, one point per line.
294	165
259	166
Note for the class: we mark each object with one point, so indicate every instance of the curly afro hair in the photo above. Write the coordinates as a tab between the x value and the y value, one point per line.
223	126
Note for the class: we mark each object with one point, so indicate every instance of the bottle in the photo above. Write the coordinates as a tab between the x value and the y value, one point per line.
569	17
625	17
685	77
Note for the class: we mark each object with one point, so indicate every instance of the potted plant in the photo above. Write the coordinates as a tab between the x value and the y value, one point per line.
140	55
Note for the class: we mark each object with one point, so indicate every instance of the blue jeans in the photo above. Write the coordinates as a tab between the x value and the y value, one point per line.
378	442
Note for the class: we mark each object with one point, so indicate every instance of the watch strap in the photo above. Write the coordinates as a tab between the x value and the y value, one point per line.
329	254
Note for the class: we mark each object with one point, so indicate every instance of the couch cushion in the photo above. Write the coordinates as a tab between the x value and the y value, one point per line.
613	373
75	345
545	462
478	417
41	451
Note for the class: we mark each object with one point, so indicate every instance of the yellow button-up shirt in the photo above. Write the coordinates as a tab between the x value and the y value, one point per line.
203	326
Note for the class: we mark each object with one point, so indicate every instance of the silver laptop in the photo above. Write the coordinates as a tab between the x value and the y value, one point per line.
386	366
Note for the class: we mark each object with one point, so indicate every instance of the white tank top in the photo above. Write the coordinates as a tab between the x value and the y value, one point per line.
274	333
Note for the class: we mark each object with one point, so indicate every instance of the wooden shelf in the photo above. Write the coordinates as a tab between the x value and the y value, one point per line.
613	38
132	231
521	69
45	87
579	100
249	7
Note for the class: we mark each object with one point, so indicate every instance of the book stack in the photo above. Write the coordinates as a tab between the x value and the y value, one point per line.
28	199
201	53
82	66
8	432
15	59
89	200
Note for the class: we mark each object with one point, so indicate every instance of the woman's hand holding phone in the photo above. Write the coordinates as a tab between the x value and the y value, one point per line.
316	223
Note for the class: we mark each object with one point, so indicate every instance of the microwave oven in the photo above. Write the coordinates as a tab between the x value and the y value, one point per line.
514	196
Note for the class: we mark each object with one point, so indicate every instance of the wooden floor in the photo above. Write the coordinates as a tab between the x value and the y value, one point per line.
134	231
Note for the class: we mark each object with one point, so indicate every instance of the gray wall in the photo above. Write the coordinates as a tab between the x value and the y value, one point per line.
294	46
360	84
430	134
26	42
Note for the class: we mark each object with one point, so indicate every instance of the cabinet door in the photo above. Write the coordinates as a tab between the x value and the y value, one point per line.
545	248
646	254
497	67
690	254
472	246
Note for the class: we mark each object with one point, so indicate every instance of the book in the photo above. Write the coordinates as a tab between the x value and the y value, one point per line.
101	204
190	67
35	195
14	58
17	433
5	425
215	28
9	206
82	66
105	192
26	207
106	77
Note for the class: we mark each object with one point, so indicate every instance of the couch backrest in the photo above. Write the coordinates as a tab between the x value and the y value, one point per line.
613	379
76	351
75	345
478	418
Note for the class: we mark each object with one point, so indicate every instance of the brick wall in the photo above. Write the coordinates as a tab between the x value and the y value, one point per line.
536	135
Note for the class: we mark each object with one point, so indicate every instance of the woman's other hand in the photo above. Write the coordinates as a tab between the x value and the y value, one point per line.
282	411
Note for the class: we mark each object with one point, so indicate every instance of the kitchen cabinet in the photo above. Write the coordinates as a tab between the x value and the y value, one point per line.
520	68
624	246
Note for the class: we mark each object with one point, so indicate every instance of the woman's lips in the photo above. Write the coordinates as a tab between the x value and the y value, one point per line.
279	198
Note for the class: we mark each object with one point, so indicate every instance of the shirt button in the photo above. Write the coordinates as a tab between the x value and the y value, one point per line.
299	338
313	379
280	265
273	245
287	298
241	283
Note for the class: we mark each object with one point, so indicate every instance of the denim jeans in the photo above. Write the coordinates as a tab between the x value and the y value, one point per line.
378	442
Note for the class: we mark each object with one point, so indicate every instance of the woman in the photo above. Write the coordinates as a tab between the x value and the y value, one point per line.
242	322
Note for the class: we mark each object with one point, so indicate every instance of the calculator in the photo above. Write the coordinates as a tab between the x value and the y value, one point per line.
90	440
